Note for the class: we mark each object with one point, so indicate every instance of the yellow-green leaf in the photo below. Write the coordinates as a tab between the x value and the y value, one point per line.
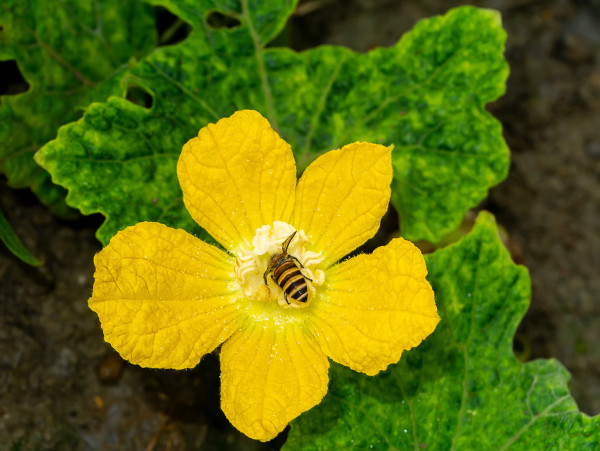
425	95
463	388
70	54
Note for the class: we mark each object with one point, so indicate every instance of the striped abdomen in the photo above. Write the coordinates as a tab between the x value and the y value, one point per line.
291	280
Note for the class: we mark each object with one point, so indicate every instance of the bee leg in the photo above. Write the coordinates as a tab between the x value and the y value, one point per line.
301	266
298	261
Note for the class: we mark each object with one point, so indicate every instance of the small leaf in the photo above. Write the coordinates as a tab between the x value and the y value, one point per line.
425	95
463	388
14	244
65	51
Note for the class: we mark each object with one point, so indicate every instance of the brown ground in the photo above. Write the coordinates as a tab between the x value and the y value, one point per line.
61	387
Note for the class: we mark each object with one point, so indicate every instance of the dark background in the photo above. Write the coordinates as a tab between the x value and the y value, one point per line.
62	387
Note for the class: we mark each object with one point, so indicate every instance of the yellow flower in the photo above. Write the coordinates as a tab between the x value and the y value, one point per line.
166	298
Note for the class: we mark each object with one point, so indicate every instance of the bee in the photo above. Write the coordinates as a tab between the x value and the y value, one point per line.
284	269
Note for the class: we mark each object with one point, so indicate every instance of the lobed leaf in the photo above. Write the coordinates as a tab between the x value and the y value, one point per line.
65	51
425	95
463	388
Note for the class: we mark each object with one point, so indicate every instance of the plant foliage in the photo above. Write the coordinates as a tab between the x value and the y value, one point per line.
463	388
14	244
426	95
70	54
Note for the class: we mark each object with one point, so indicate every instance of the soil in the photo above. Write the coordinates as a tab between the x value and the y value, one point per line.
62	387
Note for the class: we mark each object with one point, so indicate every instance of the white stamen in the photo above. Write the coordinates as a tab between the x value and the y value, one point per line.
251	264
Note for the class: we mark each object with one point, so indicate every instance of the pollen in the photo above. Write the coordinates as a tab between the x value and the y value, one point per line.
255	266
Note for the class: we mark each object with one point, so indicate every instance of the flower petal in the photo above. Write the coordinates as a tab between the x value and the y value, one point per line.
374	307
237	176
342	196
270	375
164	297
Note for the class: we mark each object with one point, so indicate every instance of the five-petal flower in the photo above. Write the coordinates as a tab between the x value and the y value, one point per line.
166	298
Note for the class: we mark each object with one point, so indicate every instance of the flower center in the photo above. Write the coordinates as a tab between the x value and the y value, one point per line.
279	267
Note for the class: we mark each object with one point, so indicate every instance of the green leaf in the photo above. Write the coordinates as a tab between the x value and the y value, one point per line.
14	244
426	95
120	158
65	51
463	388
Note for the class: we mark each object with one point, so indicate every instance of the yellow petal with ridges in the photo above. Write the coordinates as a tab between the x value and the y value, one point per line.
270	374
237	175
342	196
164	297
373	307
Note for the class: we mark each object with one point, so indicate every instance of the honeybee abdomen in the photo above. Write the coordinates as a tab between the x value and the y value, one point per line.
291	280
